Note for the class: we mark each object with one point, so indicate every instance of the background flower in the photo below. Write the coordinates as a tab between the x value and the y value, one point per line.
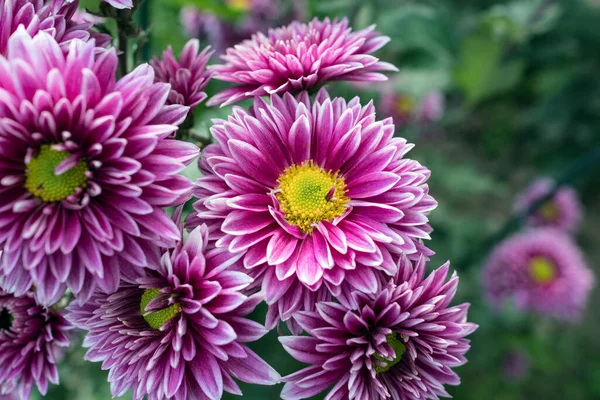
87	166
540	270
178	332
562	211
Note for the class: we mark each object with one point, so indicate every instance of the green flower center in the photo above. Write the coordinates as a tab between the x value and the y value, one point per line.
399	348
308	194
42	182
6	319
549	211
157	319
542	270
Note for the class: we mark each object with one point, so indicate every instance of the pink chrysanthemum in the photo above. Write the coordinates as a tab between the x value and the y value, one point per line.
188	76
318	197
540	270
562	211
54	17
300	56
31	340
401	343
179	331
86	165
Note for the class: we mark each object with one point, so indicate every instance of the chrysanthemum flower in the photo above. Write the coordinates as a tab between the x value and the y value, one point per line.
312	194
86	165
562	211
54	17
539	270
300	56
31	341
178	332
188	76
401	343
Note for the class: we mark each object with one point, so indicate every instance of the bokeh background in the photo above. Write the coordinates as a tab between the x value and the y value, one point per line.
494	95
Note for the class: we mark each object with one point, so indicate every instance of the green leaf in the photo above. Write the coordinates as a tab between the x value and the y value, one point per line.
216	7
479	71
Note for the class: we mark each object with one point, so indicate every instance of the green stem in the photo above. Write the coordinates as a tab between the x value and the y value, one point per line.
123	47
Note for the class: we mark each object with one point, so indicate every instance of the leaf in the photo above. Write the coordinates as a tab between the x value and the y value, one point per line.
479	71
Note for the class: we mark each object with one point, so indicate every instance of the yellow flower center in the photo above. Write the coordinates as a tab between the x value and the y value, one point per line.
308	194
399	348
157	319
239	5
542	270
549	211
404	105
41	181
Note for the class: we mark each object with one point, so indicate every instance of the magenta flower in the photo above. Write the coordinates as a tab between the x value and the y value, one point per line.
179	331
431	107
404	108
400	343
313	195
120	4
300	56
540	270
86	166
188	76
562	211
32	339
54	17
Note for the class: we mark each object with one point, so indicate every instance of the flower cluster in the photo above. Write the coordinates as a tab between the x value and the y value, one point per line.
307	202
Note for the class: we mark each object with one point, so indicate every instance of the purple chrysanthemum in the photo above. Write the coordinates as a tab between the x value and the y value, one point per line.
562	211
401	343
188	76
540	270
300	56
31	341
179	331
317	197
54	17
86	165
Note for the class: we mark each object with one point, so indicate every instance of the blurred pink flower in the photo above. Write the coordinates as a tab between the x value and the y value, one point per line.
562	211
540	270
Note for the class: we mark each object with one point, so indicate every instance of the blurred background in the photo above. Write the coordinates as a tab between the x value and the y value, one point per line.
494	95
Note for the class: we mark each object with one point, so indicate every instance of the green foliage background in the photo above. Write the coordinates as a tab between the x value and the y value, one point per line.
522	100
